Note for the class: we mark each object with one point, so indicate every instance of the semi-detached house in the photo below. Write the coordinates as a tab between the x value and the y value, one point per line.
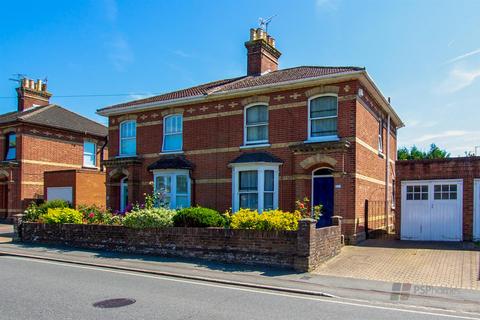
260	141
42	137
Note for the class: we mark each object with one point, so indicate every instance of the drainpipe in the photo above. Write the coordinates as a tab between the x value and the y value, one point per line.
102	150
387	175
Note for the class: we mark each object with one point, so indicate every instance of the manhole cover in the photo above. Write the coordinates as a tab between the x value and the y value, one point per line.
114	303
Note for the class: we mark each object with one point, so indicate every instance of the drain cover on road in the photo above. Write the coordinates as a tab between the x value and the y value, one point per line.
114	303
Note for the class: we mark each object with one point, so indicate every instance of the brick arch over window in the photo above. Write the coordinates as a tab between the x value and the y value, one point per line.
255	99
118	173
4	174
318	159
322	90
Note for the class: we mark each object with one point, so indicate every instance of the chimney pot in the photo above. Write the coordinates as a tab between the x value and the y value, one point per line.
262	56
31	84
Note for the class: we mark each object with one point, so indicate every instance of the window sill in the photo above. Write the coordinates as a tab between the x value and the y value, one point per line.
172	152
253	146
324	139
126	156
90	167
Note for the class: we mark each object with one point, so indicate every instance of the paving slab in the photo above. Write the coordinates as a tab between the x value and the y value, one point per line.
448	265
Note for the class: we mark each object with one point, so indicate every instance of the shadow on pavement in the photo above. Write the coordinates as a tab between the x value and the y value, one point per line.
188	262
433	245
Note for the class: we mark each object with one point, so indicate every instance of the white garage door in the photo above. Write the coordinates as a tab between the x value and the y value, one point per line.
432	210
62	193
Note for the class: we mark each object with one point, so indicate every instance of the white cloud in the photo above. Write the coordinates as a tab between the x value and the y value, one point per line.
421	123
181	53
326	4
119	52
442	135
463	56
458	79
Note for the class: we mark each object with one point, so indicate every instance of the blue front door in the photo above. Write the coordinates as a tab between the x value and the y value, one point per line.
323	195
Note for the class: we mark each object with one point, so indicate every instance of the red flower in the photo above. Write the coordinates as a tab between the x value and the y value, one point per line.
91	215
301	205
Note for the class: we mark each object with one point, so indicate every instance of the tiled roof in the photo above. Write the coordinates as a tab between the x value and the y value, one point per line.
279	76
257	157
57	117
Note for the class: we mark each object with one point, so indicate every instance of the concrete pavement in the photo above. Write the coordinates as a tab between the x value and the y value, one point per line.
39	289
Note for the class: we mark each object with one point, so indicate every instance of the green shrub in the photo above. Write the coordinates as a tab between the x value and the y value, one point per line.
268	220
62	215
149	218
34	211
198	217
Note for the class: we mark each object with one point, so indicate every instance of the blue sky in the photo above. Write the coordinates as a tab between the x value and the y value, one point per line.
424	54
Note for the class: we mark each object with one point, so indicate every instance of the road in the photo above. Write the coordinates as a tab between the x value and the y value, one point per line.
39	289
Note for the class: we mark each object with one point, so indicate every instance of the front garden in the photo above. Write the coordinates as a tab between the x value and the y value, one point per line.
153	213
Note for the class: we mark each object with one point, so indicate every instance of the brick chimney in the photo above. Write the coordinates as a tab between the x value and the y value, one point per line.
31	94
262	55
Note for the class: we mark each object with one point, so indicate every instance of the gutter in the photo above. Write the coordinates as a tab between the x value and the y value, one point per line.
106	112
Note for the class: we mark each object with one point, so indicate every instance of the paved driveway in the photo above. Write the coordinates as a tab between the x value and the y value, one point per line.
453	265
6	233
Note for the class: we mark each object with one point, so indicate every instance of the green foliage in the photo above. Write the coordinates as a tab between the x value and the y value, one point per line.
34	211
96	215
268	220
149	218
198	217
62	215
416	154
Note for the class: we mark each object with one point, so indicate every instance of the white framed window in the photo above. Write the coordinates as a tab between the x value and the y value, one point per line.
174	187
172	133
380	135
256	124
417	192
322	117
255	186
128	138
89	154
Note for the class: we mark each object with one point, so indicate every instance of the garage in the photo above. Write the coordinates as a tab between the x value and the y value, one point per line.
431	210
59	193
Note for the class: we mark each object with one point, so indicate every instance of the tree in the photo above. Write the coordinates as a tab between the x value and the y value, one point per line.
416	154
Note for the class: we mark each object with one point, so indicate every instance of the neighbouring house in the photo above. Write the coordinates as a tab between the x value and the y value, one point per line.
438	199
41	137
260	141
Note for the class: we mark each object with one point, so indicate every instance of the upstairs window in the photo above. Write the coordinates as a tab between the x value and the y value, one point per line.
256	124
11	146
323	114
128	138
380	135
89	154
172	133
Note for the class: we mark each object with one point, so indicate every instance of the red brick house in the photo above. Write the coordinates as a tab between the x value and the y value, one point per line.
262	141
41	137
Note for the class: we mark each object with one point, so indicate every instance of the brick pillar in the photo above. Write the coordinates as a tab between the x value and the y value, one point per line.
17	222
306	229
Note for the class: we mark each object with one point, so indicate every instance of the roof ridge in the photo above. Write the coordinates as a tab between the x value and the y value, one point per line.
78	114
34	112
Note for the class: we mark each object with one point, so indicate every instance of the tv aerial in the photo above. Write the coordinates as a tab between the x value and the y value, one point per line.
265	22
18	77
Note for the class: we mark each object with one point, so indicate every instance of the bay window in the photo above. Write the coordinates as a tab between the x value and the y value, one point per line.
255	187
322	118
128	138
173	187
256	124
172	133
